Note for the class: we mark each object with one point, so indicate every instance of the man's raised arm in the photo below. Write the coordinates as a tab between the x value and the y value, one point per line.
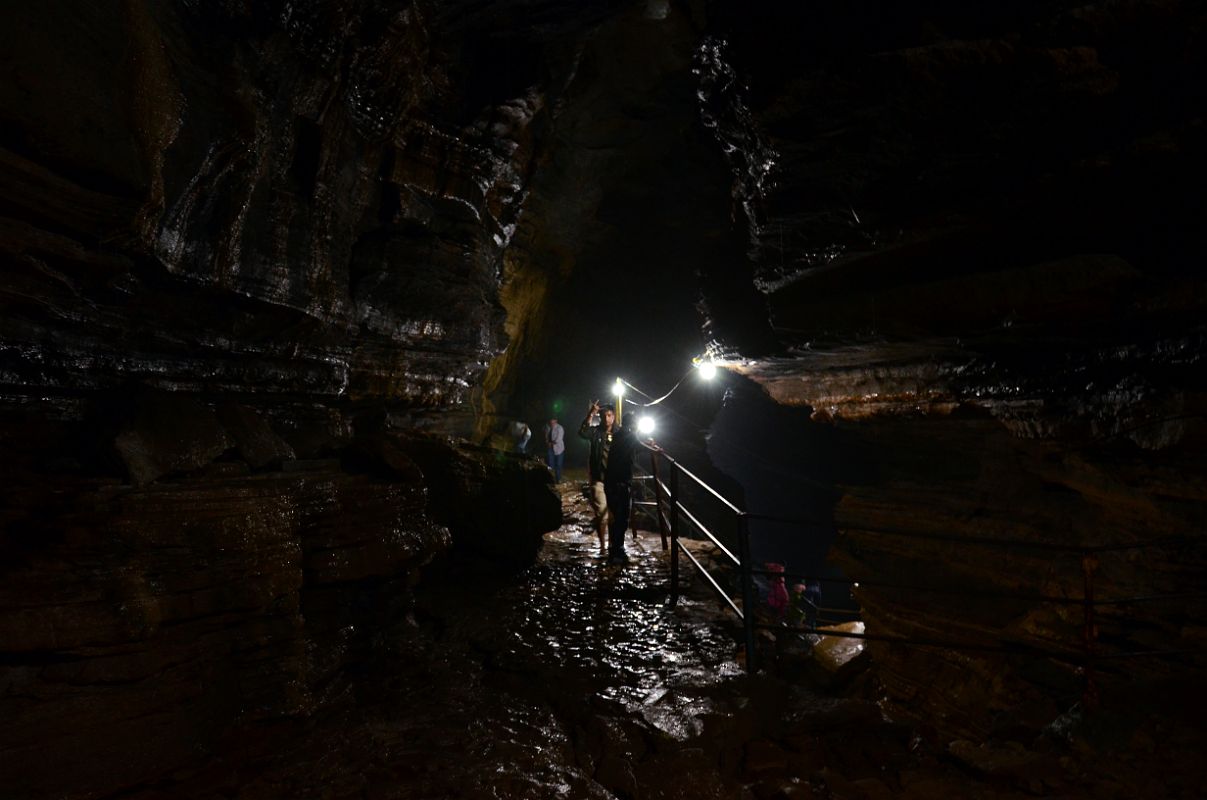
584	430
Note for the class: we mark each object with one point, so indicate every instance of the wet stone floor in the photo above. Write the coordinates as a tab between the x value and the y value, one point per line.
577	679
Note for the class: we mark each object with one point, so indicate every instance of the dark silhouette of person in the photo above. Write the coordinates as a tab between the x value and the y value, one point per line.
610	465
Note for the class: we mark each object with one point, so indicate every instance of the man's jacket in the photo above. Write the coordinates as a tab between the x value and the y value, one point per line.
618	453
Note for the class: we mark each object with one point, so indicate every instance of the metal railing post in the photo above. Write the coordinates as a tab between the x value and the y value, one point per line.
1089	634
747	589
674	533
632	509
658	497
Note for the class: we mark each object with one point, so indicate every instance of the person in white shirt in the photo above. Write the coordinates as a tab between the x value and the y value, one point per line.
522	434
555	447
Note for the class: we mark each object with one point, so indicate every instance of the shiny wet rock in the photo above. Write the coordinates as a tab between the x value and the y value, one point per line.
575	679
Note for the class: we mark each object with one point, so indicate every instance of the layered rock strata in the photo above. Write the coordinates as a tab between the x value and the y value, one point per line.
245	247
979	241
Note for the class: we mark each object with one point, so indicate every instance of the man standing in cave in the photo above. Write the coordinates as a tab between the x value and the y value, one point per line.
611	471
555	447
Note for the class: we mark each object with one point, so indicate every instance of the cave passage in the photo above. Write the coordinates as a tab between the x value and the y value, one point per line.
281	281
571	678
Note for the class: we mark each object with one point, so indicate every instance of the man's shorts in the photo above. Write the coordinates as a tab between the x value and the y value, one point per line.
598	499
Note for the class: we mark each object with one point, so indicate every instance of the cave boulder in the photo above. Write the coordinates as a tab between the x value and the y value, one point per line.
254	439
497	505
164	433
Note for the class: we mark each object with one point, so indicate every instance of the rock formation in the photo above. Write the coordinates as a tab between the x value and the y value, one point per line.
252	252
979	238
267	265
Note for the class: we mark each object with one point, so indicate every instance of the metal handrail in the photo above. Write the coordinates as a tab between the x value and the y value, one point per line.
700	526
1068	655
1089	567
1038	598
705	486
658	516
1071	655
746	613
703	571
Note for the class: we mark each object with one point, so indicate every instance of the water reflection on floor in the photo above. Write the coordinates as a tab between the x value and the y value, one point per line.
573	663
572	679
576	679
613	623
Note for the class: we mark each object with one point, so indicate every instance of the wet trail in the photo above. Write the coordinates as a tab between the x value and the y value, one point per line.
613	625
572	679
573	675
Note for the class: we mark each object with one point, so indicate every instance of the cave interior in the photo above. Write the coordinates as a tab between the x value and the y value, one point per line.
281	279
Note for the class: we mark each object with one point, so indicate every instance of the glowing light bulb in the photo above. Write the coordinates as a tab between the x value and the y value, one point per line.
618	389
645	426
707	370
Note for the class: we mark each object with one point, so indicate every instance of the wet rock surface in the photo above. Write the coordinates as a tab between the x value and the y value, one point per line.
239	238
976	235
142	623
576	679
282	205
572	679
157	617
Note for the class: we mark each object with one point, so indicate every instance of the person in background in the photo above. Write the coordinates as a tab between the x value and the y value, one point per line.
777	594
813	596
610	469
522	435
555	447
807	600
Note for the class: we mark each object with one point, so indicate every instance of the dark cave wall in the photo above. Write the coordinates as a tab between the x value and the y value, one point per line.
250	249
251	253
1029	504
187	183
627	204
147	627
980	240
141	625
